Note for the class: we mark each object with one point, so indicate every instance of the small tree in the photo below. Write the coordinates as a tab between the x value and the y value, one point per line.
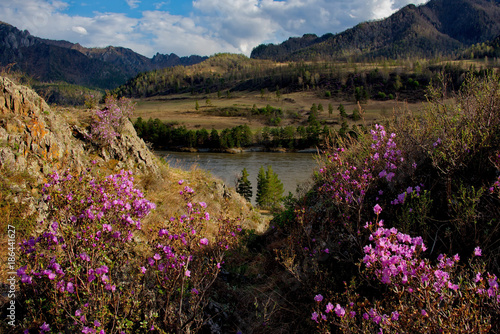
342	112
274	187
313	115
269	188
262	186
244	187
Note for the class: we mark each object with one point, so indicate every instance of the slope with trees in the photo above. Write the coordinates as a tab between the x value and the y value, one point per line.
436	28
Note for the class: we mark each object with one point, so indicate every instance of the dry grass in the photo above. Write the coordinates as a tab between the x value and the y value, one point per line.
180	109
222	202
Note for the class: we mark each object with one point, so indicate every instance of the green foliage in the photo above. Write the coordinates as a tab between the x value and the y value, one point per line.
243	186
356	115
287	214
433	174
269	188
342	111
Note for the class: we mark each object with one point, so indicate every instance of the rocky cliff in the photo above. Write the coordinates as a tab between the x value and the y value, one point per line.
38	139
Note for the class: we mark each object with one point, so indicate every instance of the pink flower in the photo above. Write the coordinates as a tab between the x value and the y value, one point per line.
143	270
478	278
314	316
188	273
477	251
377	209
204	241
339	311
45	327
318	298
329	307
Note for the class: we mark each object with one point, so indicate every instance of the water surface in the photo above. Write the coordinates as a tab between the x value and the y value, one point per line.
293	169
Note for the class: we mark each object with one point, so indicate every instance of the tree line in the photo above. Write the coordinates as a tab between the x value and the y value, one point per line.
163	135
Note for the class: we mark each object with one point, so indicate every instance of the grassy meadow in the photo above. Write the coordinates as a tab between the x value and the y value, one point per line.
180	109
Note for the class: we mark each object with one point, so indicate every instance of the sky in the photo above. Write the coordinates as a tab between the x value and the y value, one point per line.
190	27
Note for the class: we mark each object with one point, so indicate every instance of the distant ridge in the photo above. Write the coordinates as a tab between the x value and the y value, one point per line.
440	27
52	61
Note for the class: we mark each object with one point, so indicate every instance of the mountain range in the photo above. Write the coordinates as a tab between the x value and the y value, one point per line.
437	28
50	60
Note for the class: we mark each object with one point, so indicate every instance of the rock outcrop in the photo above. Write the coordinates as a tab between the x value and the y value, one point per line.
32	136
35	138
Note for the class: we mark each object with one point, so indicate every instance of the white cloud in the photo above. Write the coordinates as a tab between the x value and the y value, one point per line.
80	30
158	5
213	25
133	3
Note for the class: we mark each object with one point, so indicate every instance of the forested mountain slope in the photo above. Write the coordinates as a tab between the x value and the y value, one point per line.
437	28
50	61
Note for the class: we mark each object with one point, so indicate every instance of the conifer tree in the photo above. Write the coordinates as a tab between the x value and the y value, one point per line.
261	187
244	187
274	187
269	188
342	112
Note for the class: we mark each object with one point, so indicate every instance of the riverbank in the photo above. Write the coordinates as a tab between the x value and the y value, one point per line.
236	150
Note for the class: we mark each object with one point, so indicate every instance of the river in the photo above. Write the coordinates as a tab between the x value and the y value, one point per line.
293	169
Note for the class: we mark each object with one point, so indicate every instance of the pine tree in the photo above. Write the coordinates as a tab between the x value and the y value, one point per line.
274	188
342	112
261	187
269	188
244	187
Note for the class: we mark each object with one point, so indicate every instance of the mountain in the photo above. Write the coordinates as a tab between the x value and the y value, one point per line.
440	27
51	61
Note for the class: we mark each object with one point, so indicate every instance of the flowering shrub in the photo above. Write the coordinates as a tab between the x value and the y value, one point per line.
435	173
344	184
89	269
74	269
185	264
419	295
107	122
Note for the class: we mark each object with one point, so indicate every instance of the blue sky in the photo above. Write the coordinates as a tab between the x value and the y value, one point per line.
187	27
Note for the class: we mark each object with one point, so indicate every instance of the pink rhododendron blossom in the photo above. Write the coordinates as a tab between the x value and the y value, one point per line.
318	298
339	311
477	251
329	308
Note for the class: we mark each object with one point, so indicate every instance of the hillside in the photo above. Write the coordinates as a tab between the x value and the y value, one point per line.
437	28
53	61
398	231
